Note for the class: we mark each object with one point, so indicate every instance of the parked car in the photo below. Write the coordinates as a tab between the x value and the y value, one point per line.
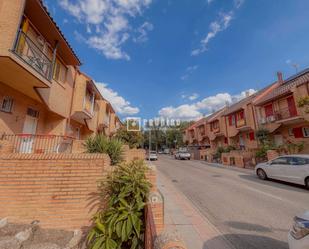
289	168
299	235
182	154
152	156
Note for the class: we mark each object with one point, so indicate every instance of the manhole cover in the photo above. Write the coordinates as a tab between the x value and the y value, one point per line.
174	180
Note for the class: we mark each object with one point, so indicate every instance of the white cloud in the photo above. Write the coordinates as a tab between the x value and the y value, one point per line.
214	28
110	20
188	72
219	25
205	106
185	112
209	1
121	105
143	32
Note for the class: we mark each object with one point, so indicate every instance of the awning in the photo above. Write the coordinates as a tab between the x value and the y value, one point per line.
234	134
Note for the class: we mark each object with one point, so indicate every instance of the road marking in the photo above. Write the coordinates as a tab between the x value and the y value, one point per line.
270	195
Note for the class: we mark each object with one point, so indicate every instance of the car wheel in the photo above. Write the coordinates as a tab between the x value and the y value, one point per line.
261	174
307	183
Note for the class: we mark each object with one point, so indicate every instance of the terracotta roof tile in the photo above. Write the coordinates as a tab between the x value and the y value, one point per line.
286	87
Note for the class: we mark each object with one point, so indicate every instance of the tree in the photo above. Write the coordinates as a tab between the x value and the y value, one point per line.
161	138
132	138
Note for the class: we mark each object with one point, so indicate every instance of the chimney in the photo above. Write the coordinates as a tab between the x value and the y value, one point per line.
280	78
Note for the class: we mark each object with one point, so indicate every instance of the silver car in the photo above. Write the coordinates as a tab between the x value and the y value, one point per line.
183	155
289	168
299	235
152	156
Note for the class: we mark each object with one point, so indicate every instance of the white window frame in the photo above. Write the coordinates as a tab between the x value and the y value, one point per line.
305	131
9	100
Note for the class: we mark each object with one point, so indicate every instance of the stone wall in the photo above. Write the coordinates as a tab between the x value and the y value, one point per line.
55	189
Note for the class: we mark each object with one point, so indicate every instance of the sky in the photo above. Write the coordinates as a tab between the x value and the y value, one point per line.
183	58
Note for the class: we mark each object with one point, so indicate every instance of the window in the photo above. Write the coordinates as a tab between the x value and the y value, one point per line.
269	110
232	120
240	115
298	161
60	71
280	160
7	104
32	113
306	131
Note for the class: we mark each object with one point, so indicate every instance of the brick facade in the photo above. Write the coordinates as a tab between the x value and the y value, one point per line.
52	188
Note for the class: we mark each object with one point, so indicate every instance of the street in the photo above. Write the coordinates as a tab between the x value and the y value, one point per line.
250	213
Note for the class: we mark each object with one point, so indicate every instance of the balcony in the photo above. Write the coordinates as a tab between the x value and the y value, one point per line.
240	123
285	113
34	56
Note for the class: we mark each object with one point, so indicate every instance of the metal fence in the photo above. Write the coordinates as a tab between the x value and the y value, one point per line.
28	143
31	53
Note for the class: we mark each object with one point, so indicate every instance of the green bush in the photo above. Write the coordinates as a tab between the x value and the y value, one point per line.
115	151
101	144
121	224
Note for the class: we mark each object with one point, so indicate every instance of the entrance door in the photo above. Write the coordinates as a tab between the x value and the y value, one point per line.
291	106
29	129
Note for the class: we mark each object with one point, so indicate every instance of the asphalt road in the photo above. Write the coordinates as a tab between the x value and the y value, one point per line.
250	213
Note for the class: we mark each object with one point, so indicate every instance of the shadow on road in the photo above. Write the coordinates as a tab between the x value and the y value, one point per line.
246	241
247	226
280	184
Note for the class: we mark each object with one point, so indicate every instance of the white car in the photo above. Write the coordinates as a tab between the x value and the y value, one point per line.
299	235
182	155
289	168
152	156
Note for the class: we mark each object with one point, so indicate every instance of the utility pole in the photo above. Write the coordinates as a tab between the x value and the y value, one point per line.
149	147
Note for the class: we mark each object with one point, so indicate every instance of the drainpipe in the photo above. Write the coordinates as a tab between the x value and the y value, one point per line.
71	104
53	60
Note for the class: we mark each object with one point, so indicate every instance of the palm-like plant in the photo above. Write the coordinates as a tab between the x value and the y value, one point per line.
121	223
101	144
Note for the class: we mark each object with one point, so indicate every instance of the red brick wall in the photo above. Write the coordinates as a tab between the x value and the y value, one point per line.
133	154
52	188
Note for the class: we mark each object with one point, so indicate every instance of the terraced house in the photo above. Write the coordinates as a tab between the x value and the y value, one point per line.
280	113
44	97
277	108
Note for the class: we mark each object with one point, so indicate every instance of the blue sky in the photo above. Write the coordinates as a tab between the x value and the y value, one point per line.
183	58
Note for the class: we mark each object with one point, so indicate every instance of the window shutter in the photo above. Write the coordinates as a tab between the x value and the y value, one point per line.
298	132
251	136
230	120
269	110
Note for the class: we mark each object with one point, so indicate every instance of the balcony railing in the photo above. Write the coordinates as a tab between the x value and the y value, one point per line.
34	56
28	143
240	122
284	113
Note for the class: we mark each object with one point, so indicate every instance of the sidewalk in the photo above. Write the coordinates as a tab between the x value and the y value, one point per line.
182	217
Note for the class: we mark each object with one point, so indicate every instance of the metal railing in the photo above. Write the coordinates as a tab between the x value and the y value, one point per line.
38	144
284	113
33	55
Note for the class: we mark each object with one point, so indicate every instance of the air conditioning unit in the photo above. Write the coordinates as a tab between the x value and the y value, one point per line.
271	119
262	121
